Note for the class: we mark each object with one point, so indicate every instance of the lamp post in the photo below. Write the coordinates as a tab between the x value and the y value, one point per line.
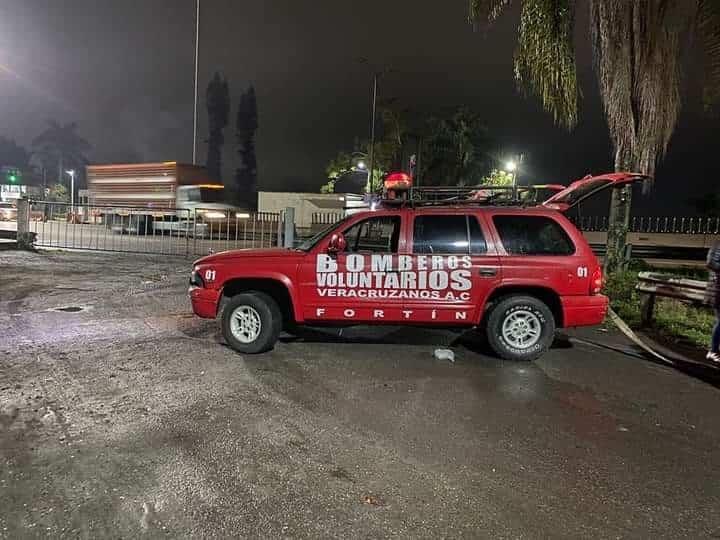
71	174
195	101
376	76
512	167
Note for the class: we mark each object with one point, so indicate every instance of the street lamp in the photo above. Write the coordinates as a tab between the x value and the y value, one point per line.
511	167
197	62
376	76
361	165
71	174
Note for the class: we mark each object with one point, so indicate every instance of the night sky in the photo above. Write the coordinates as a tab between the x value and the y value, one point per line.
124	71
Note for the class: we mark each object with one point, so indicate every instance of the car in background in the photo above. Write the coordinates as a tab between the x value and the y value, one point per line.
8	211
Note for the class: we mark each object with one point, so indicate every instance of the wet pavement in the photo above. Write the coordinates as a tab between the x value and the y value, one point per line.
122	415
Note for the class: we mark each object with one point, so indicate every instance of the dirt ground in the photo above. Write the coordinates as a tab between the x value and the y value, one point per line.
122	415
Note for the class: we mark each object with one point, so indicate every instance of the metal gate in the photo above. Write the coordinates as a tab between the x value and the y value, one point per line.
139	230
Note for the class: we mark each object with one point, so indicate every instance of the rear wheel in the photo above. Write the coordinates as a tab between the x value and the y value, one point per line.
251	322
520	328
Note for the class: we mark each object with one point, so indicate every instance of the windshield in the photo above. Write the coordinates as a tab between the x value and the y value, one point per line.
310	243
206	195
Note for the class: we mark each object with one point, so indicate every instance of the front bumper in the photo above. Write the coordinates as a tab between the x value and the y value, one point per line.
204	301
584	310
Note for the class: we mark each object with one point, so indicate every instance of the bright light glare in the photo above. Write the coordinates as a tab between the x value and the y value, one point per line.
71	172
214	215
511	166
361	165
242	216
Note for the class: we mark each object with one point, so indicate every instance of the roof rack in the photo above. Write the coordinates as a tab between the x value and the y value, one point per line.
480	195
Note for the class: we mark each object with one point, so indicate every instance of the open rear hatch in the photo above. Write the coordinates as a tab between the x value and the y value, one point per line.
580	190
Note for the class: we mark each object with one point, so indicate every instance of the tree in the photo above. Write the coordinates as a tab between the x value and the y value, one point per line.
247	125
498	178
346	166
218	107
60	148
456	151
58	193
637	47
13	155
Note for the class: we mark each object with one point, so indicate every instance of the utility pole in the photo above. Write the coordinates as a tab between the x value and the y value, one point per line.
372	132
197	58
71	174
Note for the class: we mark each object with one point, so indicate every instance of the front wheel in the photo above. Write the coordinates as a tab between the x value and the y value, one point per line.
520	328
251	322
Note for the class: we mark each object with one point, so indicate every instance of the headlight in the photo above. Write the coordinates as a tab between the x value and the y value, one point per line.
196	279
214	215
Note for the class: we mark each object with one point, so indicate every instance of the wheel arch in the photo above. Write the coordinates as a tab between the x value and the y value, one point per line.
274	286
545	294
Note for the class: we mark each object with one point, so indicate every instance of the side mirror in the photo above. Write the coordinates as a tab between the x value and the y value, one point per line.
337	244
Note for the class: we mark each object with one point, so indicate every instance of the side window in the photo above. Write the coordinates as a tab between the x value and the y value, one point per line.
477	239
378	234
532	235
447	234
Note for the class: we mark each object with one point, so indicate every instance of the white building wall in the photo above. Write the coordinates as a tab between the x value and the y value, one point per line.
305	204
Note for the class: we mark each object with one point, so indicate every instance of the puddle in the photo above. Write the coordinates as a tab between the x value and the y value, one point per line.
69	309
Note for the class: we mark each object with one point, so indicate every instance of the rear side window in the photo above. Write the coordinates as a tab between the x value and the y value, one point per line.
532	235
448	234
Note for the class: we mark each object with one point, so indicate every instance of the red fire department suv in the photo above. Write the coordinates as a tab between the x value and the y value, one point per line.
516	271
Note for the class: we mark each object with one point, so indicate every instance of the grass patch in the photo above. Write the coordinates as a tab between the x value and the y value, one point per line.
677	320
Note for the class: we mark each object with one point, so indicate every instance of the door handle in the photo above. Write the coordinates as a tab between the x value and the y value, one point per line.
488	272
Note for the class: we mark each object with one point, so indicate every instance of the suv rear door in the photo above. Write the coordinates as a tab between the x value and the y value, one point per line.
455	265
542	249
587	187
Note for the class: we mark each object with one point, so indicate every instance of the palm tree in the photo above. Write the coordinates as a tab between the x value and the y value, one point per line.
638	48
60	146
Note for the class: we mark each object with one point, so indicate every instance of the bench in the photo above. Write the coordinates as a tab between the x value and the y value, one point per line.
651	285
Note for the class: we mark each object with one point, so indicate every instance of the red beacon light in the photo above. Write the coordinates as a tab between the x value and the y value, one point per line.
396	185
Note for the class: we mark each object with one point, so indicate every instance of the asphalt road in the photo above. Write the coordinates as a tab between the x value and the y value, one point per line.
130	417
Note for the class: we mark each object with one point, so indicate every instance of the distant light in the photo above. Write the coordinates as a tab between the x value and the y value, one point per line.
361	165
71	172
242	216
511	166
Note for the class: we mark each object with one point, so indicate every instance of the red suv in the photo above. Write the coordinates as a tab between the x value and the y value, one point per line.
517	272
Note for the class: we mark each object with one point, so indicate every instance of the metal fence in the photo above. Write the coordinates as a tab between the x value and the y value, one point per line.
677	225
325	218
139	230
670	224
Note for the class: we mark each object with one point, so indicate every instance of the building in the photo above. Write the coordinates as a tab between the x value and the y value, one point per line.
311	209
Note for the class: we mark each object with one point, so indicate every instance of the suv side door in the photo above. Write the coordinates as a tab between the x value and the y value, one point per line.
362	284
456	265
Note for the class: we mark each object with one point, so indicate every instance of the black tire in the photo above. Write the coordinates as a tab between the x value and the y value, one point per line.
270	322
532	310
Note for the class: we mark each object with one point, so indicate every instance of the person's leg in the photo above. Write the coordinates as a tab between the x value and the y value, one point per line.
715	341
